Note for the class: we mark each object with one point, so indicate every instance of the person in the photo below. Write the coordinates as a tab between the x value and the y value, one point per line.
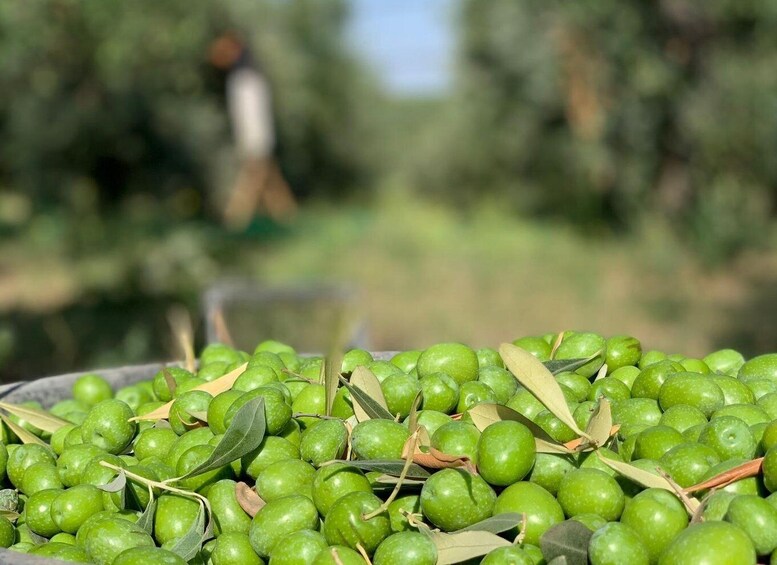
259	185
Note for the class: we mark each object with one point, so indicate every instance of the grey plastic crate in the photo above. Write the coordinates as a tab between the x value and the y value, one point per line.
50	390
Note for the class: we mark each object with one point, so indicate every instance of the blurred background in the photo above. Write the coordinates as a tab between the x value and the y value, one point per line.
476	170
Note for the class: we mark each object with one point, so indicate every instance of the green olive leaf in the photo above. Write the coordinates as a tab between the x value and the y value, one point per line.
36	538
485	414
116	485
332	365
9	499
170	382
495	524
600	424
38	418
146	518
244	434
367	396
199	415
557	366
9	515
569	540
24	435
391	467
532	374
189	544
461	546
412	418
650	480
393	480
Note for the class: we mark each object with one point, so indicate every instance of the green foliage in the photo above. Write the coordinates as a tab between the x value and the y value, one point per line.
114	97
601	111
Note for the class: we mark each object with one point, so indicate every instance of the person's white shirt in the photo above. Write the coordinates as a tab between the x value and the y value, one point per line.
250	110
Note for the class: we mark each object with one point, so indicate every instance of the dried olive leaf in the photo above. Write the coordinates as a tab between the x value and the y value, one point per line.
569	540
24	435
248	499
38	418
461	546
600	424
189	544
533	375
367	396
146	519
213	387
495	524
244	434
436	459
391	467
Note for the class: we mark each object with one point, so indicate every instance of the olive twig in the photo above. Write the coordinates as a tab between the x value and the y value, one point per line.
413	443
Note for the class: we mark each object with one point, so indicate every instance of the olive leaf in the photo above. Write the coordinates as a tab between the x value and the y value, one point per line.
600	424
38	418
464	545
24	435
601	373
181	326
483	415
244	434
214	387
9	515
412	417
533	375
391	467
146	518
332	365
392	480
556	344
172	386
568	539
37	539
189	544
367	396
116	485
9	499
200	415
557	366
650	480
495	524
436	459
248	499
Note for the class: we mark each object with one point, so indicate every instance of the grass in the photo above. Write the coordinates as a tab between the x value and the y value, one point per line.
425	272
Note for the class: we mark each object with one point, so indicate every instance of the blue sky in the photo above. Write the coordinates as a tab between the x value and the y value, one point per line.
409	43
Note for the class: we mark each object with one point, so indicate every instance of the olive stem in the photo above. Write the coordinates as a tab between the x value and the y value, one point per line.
157	484
408	461
363	553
